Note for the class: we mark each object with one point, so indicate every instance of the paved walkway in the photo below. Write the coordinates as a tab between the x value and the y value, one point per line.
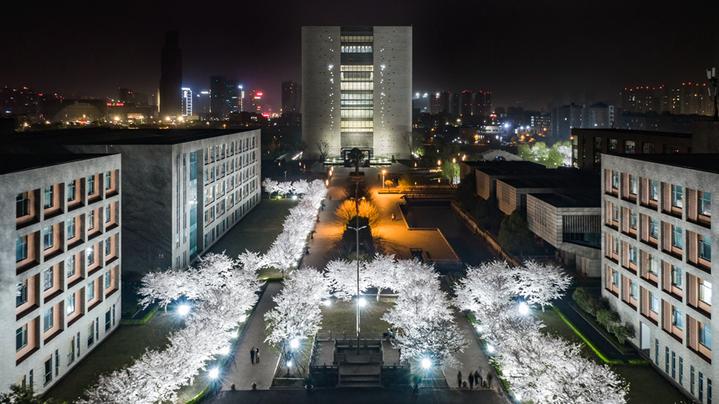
242	373
473	358
328	231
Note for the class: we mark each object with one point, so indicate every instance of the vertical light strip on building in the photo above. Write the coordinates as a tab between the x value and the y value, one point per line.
356	88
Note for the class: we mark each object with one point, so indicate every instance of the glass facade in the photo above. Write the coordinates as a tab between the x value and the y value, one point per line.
356	88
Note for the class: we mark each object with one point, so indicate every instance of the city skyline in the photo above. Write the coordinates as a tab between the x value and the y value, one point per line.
576	53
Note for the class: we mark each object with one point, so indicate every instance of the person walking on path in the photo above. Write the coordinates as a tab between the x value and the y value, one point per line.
459	379
478	379
257	355
471	380
252	355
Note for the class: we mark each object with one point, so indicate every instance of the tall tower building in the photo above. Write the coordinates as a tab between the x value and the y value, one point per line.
170	76
357	90
186	101
290	97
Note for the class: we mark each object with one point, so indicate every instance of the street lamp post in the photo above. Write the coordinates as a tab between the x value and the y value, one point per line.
383	173
357	230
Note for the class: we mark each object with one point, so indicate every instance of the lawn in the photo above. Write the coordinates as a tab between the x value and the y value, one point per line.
339	319
117	351
645	384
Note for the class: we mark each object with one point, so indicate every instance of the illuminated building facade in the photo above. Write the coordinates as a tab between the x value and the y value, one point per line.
186	107
357	91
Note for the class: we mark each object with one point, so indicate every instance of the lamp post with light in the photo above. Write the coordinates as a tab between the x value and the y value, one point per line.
383	174
357	229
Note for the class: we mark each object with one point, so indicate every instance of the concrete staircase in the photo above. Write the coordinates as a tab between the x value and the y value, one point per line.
360	375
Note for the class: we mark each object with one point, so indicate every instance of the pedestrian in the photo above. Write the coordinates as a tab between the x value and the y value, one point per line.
459	379
471	380
464	385
257	355
252	355
478	379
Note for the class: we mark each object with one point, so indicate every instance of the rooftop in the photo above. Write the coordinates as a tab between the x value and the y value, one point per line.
123	136
500	167
11	163
556	179
581	198
708	162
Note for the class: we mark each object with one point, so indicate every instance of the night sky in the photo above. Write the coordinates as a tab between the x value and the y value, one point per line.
529	53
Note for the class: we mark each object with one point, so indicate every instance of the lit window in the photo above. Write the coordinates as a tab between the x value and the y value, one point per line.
90	291
108	279
705	248
653	303
705	335
48	279
677	318
70	228
48	319
677	277
48	237
70	266
653	190
70	304
677	237
705	291
705	203
48	192
677	196
21	294
21	248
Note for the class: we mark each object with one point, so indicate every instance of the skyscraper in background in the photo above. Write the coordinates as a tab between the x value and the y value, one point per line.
224	97
170	76
186	101
290	97
201	104
482	103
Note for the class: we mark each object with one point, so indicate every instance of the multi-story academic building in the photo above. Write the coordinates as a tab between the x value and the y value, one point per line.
182	189
357	91
659	215
60	244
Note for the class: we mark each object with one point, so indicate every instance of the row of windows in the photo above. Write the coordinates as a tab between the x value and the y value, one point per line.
220	151
229	166
675	369
356	48
356	38
356	85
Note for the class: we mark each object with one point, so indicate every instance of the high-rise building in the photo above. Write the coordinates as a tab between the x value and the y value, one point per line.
357	90
60	259
170	76
224	97
693	99
290	97
256	101
186	107
439	104
201	104
420	102
465	103
482	103
659	260
455	104
599	115
564	118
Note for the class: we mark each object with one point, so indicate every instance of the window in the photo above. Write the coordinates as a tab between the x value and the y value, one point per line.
90	185
48	319
108	247
48	192
89	256
674	365
108	180
91	335
705	335
705	291
108	213
22	205
677	196
633	255
21	338
48	237
653	303
630	147
21	248
615	179
653	190
705	248
654	266
633	290
91	219
681	370
677	318
70	226
691	379
705	203
653	228
656	351
633	185
632	220
90	291
108	320
70	191
677	276
70	267
70	304
677	237
48	371
615	278
108	279
21	293
613	144
48	280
